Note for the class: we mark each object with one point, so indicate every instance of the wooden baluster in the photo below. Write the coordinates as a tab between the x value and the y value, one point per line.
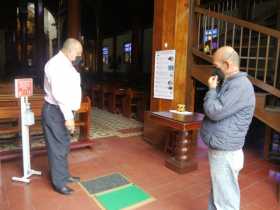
225	41
241	40
276	64
266	58
257	56
204	30
219	32
211	41
198	33
233	36
184	151
227	6
182	144
248	52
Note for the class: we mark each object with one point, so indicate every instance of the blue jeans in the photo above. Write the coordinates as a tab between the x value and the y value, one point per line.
58	143
224	170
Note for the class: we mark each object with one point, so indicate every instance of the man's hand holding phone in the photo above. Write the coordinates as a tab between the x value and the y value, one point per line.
213	82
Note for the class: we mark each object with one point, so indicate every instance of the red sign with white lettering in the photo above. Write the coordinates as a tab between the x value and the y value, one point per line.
23	87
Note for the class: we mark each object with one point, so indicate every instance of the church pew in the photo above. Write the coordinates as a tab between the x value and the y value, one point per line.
115	100
12	113
83	120
134	100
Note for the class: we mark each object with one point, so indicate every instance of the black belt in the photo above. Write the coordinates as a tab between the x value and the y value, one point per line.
54	105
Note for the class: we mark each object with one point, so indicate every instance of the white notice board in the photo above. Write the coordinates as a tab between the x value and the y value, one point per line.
164	74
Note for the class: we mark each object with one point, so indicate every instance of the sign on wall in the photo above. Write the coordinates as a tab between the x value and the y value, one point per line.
23	87
164	74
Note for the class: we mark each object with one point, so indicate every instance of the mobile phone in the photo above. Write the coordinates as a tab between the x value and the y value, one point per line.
219	73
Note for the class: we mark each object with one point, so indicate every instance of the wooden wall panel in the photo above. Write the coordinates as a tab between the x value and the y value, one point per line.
155	134
170	32
171	21
181	44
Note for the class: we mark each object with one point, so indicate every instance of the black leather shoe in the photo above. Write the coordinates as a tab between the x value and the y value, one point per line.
64	190
72	179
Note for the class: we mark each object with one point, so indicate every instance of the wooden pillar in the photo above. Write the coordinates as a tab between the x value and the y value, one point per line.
74	20
40	41
9	54
98	52
23	31
278	15
137	34
170	31
192	40
114	54
99	38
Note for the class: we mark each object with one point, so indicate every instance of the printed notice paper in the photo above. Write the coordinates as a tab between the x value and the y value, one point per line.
164	74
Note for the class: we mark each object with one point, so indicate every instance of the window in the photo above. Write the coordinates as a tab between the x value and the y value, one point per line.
210	40
105	55
127	52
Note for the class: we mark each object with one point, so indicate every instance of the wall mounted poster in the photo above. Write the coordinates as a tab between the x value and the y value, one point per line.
164	74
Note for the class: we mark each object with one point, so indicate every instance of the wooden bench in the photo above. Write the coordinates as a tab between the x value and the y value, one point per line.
83	120
10	114
134	100
10	122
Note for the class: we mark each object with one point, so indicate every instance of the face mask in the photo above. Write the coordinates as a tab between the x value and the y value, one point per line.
77	60
219	73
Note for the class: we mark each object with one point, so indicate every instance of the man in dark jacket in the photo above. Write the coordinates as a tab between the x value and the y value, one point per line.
229	109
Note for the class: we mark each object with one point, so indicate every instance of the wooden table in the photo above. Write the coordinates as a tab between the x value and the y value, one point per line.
185	127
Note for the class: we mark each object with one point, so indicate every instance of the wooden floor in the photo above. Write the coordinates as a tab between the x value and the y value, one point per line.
144	166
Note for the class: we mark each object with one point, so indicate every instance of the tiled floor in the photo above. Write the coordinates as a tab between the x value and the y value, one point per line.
104	124
144	166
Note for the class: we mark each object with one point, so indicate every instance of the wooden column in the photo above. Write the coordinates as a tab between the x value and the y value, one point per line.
74	21
99	38
171	20
23	32
170	31
40	41
192	40
278	15
137	34
114	54
9	20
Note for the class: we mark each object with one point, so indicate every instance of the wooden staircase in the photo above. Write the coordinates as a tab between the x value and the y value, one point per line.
259	48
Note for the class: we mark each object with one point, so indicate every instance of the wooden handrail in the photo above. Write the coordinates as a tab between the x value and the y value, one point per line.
242	23
272	90
221	5
261	63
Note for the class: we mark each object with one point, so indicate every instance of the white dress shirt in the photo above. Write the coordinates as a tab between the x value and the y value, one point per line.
62	85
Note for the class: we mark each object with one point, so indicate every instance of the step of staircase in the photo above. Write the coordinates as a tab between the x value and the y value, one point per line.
273	109
261	98
265	114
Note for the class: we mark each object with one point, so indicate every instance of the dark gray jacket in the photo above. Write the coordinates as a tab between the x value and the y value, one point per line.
228	113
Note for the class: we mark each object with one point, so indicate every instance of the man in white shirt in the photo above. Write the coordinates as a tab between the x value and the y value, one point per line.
62	85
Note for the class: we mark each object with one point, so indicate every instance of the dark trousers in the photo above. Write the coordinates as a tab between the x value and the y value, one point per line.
57	141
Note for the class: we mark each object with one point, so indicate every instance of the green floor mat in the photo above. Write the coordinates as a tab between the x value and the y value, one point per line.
127	197
104	183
